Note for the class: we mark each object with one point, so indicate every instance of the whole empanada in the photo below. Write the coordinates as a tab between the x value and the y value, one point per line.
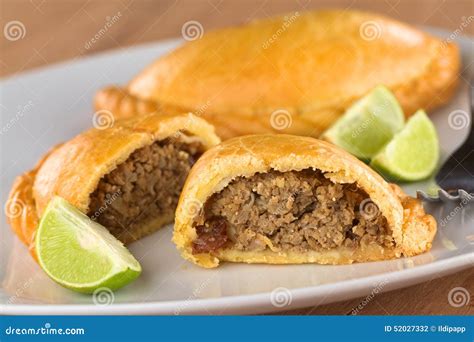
292	74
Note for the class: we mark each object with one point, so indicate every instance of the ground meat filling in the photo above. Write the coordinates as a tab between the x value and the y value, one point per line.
146	186
291	211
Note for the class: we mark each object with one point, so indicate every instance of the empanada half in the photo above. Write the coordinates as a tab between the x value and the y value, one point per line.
283	199
127	177
292	74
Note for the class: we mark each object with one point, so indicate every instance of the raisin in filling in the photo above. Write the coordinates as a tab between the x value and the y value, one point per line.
296	210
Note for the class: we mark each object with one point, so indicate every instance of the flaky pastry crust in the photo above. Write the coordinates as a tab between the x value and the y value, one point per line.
412	229
74	169
292	74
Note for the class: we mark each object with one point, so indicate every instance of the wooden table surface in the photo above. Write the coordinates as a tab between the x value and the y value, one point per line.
57	30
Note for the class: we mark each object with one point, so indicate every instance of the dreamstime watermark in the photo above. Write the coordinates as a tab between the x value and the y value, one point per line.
466	21
281	297
103	296
20	291
192	207
368	209
14	30
458	119
109	199
457	209
103	119
178	134
196	293
370	30
375	291
109	22
287	21
376	112
458	297
47	329
192	30
21	111
281	119
202	109
14	208
363	126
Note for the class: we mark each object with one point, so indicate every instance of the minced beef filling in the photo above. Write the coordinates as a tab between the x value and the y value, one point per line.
291	211
143	187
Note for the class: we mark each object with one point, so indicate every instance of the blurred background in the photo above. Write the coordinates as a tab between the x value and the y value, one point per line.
51	31
57	30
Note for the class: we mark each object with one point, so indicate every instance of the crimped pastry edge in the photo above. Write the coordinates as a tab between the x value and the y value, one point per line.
431	88
413	230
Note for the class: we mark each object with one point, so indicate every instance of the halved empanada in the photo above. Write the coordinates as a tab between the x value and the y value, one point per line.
285	199
127	177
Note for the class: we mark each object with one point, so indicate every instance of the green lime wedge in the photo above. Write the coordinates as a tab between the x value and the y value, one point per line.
79	253
368	124
413	153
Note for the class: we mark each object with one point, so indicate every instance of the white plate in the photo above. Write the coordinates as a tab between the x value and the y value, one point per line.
46	106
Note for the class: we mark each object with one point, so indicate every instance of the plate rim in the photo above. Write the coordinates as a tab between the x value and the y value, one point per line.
243	304
258	302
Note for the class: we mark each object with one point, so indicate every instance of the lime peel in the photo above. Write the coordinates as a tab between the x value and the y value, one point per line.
368	124
79	253
413	153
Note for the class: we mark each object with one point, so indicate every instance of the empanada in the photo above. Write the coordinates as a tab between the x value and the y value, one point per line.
283	199
292	74
127	177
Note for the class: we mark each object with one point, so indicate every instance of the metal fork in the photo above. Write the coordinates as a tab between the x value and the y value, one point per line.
456	176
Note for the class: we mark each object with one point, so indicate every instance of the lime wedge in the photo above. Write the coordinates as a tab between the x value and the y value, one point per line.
79	253
413	153
368	124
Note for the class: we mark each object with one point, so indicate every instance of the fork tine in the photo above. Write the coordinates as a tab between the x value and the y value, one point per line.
445	196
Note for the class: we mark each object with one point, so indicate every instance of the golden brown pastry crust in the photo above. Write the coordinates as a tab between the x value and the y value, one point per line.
316	67
22	215
412	229
125	105
74	169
